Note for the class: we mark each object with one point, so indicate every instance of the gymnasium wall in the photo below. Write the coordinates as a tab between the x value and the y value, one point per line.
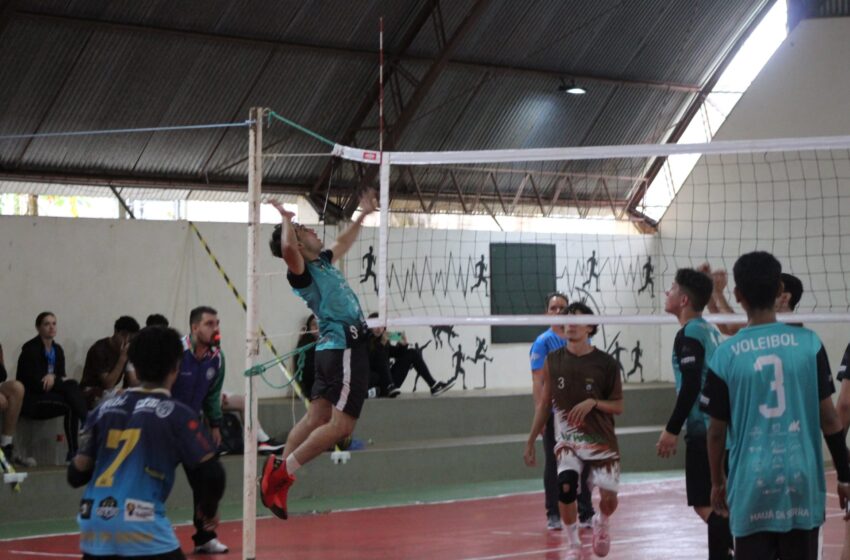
89	272
795	207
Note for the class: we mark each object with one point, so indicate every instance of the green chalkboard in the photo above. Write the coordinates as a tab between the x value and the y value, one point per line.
521	276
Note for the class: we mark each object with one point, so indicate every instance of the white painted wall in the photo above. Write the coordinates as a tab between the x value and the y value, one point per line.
89	272
796	207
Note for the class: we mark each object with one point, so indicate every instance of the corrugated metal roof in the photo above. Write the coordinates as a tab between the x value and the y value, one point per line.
101	65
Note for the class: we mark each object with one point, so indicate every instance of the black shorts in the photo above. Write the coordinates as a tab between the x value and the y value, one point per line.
697	472
799	544
342	377
173	555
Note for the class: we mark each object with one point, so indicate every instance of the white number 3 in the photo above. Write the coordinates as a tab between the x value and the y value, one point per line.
775	385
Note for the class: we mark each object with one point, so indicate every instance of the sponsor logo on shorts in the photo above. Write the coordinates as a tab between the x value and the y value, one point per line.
107	508
688	360
85	508
137	510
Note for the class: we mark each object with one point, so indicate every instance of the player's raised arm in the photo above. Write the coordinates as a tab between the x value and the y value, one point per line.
289	244
368	204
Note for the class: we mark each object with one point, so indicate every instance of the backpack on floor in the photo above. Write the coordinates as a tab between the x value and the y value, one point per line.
231	435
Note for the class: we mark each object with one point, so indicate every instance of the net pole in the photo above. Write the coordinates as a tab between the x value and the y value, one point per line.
383	235
252	339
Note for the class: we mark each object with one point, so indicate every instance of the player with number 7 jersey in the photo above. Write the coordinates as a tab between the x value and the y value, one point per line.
129	449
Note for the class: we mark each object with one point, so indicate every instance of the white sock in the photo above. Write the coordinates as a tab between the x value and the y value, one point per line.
262	436
572	535
292	464
5	440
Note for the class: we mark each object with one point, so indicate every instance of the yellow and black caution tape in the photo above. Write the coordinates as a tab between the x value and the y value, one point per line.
278	359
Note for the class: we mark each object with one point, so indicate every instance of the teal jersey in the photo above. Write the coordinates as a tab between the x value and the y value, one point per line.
767	382
693	347
328	295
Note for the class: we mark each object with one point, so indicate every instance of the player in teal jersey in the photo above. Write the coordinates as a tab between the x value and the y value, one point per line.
129	449
769	391
342	354
693	347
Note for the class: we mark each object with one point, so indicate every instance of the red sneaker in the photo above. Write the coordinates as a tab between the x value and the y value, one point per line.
274	480
278	506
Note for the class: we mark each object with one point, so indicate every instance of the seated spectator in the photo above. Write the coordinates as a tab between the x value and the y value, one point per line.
236	403
156	320
41	369
107	368
388	377
309	335
11	399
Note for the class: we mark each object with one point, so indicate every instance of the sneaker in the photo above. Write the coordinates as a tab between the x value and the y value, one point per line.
553	523
214	546
440	387
601	538
573	553
586	524
392	391
17	460
269	446
274	486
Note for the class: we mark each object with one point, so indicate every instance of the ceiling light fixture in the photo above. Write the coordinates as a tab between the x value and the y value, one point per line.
571	88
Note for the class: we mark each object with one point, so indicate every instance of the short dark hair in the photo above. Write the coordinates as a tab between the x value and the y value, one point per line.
793	286
274	242
196	314
372	315
156	320
696	285
579	308
758	278
155	352
126	324
555	294
40	317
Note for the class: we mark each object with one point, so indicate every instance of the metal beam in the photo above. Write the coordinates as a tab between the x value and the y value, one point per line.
397	56
419	94
459	193
690	113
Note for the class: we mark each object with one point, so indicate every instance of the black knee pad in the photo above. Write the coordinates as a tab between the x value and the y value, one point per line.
569	478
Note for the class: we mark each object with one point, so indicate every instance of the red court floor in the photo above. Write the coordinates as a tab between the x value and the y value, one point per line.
652	522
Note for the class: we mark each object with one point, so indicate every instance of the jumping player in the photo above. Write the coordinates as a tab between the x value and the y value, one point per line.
342	355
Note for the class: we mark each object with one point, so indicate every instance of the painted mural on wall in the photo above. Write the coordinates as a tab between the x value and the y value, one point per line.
447	274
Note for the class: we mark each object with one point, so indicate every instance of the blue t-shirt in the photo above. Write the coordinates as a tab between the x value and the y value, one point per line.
137	440
692	349
328	295
547	342
767	382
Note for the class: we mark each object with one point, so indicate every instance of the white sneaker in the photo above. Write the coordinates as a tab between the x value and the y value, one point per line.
573	553
214	546
601	538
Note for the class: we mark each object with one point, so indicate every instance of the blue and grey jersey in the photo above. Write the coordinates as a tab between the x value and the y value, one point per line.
692	349
767	382
136	439
328	295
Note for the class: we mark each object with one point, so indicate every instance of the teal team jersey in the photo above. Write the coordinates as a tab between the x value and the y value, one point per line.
331	299
767	381
693	347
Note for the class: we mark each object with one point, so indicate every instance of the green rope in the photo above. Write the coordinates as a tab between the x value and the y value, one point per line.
297	126
259	370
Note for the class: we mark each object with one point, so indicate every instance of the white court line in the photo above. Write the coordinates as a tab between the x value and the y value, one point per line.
561	549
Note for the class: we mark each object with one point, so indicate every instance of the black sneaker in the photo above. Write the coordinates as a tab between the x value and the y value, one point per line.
440	387
269	446
392	392
17	460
